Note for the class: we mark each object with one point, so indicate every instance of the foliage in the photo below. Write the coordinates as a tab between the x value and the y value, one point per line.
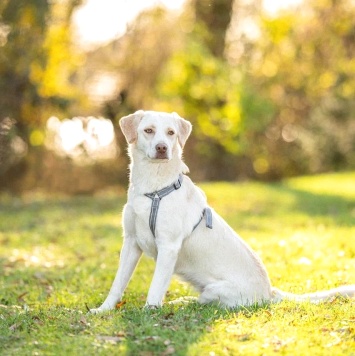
59	256
304	63
149	42
37	76
23	32
35	59
194	80
268	96
217	99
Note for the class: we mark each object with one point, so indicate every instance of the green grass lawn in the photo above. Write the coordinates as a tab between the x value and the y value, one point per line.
59	256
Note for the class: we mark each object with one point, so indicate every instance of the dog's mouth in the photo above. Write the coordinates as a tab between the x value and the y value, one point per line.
161	156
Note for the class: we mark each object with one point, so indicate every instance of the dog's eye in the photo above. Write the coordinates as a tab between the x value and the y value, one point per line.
171	132
148	131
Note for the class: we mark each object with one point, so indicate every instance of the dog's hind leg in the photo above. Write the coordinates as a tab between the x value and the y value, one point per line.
231	295
222	292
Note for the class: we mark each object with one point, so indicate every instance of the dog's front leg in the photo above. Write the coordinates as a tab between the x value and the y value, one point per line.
164	269
129	258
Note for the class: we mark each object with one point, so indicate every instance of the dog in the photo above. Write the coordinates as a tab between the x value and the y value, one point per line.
168	218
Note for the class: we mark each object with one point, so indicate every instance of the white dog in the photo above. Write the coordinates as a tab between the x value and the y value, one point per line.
168	218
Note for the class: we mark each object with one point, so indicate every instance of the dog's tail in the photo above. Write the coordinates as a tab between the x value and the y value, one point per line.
317	297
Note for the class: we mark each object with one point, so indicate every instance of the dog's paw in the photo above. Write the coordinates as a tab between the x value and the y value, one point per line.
96	311
151	307
99	310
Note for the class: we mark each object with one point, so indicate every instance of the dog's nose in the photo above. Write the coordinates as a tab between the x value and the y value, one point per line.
161	147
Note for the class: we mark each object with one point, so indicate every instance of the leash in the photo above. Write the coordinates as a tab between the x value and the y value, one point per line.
160	194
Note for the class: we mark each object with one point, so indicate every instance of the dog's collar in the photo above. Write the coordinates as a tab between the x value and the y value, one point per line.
160	194
167	190
156	197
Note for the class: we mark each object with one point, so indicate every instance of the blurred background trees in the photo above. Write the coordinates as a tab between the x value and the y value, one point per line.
269	95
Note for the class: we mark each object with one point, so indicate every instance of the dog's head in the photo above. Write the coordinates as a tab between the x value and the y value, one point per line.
155	133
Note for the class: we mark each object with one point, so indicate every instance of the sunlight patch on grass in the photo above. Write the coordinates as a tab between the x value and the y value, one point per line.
38	256
338	184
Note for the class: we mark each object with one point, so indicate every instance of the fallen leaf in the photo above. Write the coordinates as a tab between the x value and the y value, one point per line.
20	297
120	304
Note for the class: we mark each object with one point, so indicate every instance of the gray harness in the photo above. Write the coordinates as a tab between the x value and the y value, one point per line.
160	194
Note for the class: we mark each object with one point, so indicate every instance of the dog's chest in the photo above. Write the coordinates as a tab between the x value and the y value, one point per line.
145	239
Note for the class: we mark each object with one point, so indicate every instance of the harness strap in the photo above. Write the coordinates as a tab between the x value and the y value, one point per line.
207	214
158	195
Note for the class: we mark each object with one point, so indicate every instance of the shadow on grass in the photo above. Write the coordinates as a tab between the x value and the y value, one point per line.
169	330
64	222
71	205
278	201
339	209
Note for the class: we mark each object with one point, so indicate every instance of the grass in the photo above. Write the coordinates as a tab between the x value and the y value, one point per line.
59	256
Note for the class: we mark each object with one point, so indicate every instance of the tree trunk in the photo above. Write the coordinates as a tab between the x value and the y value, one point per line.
215	15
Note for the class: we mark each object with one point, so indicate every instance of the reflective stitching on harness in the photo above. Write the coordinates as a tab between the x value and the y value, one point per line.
158	195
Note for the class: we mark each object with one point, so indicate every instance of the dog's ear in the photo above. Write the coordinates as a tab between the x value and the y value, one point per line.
185	128
129	125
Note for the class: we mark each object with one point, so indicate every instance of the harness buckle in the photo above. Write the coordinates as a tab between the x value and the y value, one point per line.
177	184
